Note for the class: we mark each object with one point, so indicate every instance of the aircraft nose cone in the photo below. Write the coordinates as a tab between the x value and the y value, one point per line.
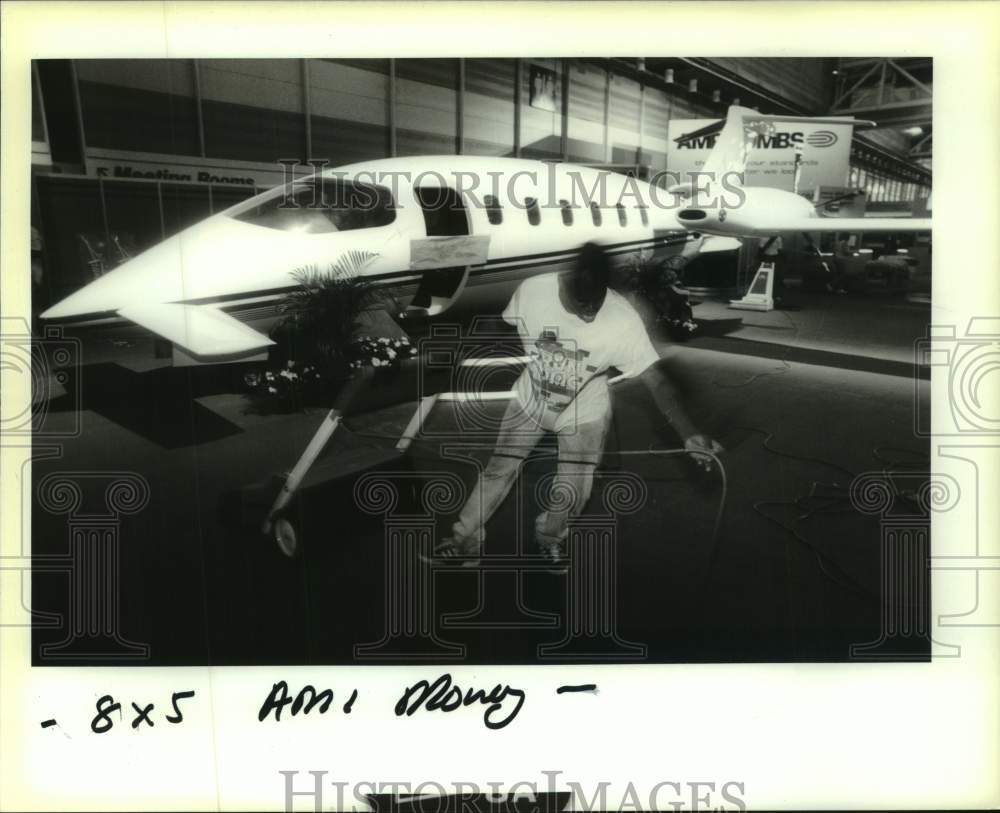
97	297
155	275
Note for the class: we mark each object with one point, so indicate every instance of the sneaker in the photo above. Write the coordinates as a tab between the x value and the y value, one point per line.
555	552
450	552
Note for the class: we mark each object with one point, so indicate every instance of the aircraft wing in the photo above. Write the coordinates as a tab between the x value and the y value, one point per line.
849	224
198	329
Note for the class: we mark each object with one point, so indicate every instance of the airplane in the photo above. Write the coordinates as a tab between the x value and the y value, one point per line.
762	211
433	229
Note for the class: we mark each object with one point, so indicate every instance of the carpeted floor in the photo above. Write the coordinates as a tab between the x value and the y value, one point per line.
803	401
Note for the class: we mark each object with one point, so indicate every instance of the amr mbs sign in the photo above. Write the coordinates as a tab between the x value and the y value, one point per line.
825	152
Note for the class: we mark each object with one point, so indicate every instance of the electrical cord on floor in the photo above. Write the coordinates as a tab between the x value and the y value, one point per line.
755	377
830	500
537	453
775	371
806	458
918	460
844	581
829	503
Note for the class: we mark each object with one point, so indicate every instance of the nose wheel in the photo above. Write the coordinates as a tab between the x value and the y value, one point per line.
287	537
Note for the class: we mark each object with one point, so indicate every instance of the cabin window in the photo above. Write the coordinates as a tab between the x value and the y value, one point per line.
622	214
494	212
323	205
534	213
567	212
595	214
644	215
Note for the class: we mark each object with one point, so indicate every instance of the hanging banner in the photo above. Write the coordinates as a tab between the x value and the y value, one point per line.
826	152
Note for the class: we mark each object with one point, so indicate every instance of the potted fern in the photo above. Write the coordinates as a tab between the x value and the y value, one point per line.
322	340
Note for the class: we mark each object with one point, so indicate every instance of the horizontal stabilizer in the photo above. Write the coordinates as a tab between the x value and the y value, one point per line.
850	224
198	329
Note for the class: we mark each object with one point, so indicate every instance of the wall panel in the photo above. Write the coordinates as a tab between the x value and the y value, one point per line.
489	106
426	106
141	105
623	120
349	101
253	108
585	124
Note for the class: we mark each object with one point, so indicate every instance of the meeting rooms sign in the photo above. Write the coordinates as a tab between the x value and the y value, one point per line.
826	152
152	167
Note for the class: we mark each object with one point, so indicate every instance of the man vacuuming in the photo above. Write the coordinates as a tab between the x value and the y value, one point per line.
574	328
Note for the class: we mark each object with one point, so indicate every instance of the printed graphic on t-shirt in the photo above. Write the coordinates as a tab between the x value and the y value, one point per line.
558	370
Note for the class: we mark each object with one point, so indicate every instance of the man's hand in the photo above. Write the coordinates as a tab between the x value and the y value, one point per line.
699	443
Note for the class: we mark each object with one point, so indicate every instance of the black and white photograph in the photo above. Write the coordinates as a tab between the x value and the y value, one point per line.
396	392
382	365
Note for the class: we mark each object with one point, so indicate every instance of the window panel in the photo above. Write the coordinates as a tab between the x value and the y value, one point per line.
183	206
70	210
133	211
488	127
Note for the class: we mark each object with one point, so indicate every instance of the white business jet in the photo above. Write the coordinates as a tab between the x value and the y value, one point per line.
433	229
719	204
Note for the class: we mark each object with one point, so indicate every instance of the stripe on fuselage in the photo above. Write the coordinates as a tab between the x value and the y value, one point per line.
256	304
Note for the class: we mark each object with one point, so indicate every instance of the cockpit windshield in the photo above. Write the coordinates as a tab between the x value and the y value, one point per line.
323	205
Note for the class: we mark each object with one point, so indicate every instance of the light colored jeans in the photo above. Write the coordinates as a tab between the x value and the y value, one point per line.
580	449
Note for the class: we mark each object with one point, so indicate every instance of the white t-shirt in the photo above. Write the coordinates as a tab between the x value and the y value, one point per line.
565	380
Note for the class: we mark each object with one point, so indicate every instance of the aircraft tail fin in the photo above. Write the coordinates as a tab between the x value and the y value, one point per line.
742	126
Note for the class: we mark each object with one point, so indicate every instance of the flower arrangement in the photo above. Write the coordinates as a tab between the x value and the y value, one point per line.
381	353
289	384
296	384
